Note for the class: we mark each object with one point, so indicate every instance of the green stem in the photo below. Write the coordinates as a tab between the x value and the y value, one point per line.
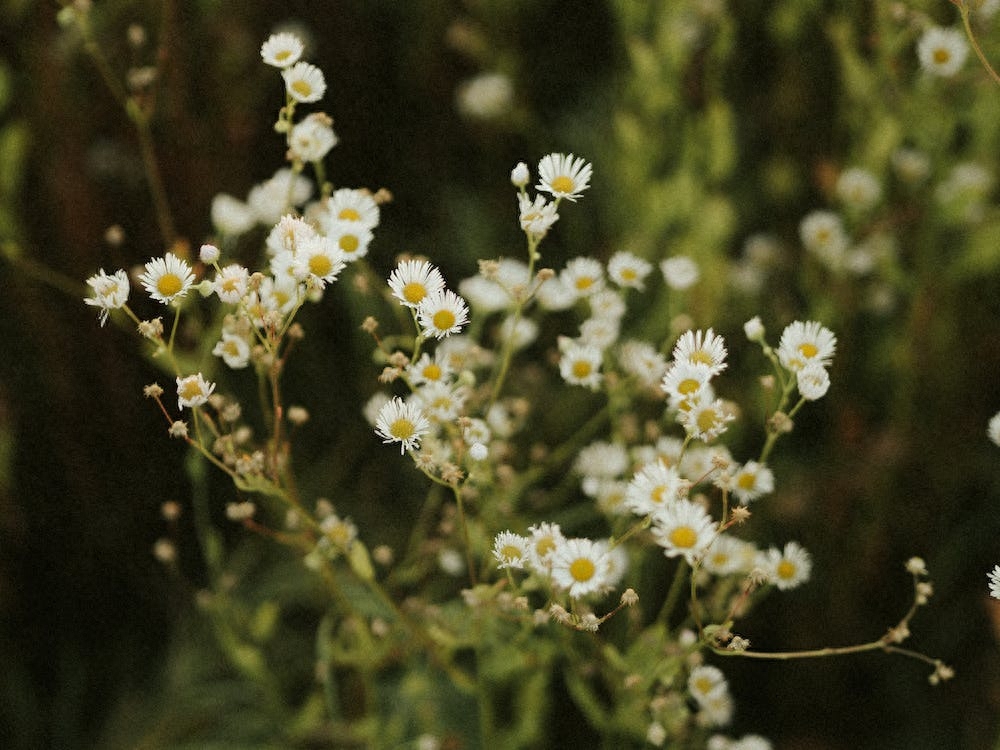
963	10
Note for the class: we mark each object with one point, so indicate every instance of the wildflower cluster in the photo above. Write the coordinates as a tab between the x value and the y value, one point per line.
577	459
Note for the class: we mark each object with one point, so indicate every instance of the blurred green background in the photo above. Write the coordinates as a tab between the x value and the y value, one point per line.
707	121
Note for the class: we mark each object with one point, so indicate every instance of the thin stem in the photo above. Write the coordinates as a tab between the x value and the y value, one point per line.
964	11
465	533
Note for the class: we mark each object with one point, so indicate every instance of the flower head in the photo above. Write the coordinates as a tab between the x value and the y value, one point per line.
510	550
628	270
751	481
994	579
580	566
304	82
941	51
110	292
789	567
413	280
702	347
813	381
442	313
993	429
580	364
281	50
348	204
403	423
319	259
312	138
683	528
234	350
805	343
654	488
167	278
537	216
680	272
193	390
563	176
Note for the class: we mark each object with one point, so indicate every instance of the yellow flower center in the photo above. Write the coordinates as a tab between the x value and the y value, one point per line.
657	494
786	570
349	214
629	274
581	369
510	552
320	265
706	420
562	184
349	243
190	390
584	282
688	386
231	348
414	292
545	545
169	284
746	481
683	536
941	55
700	357
402	429
703	685
432	372
282	55
229	285
302	88
582	569
444	320
808	350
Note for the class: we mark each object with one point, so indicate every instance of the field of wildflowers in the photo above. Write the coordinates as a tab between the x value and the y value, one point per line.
500	374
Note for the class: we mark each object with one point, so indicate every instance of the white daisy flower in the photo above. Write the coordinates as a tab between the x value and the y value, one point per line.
484	295
727	555
312	138
563	176
822	233
351	237
304	82
193	390
272	199
704	418
683	529
282	50
599	332
429	369
412	280
716	711
543	540
442	402
167	278
485	96
910	165
403	423
994	578
579	567
110	292
536	216
554	295
580	364
702	347
442	313
348	204
231	216
643	361
752	480
583	276
234	350
805	343
628	270
754	329
706	682
993	429
813	381
680	272
858	188
510	550
607	304
318	259
941	51
685	381
602	459
231	283
287	234
699	461
787	568
653	488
